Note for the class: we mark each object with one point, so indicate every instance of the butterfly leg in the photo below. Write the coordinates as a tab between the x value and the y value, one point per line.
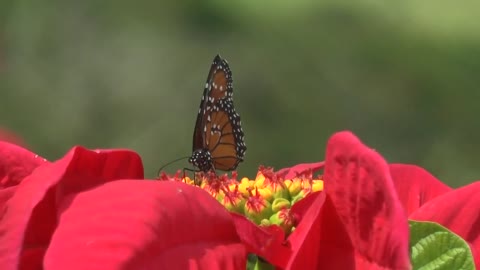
195	180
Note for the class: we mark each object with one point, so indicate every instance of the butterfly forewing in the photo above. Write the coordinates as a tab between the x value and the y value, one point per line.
221	80
218	85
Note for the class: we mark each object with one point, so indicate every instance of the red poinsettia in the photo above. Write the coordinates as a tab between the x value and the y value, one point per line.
356	223
92	210
427	199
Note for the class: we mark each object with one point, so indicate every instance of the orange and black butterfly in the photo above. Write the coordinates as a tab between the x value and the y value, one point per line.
218	139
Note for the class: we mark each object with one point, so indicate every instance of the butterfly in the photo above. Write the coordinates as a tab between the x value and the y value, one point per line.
218	138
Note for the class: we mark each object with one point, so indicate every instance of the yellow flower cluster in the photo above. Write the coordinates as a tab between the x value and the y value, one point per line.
265	200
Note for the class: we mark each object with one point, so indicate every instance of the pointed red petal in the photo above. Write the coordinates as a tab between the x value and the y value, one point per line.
16	163
300	169
29	217
300	208
144	225
264	242
459	211
310	236
358	183
415	186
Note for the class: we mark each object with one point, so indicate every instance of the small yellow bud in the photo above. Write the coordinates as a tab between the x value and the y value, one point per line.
317	185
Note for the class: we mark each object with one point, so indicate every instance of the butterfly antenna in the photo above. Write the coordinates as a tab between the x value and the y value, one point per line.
173	161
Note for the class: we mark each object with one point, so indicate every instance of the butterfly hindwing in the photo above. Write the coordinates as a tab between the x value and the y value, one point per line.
230	146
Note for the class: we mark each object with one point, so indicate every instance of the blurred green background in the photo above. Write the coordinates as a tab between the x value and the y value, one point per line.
403	76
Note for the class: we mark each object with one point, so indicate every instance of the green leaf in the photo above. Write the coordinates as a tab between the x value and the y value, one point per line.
251	261
263	265
256	263
435	247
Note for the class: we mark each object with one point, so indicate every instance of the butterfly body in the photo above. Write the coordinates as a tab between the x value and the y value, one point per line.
218	138
202	159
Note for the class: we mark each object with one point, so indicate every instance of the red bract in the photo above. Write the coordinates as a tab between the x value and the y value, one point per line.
300	169
78	213
305	241
428	199
267	242
359	223
15	164
415	186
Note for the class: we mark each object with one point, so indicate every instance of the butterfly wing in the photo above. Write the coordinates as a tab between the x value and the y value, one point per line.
218	86
218	127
